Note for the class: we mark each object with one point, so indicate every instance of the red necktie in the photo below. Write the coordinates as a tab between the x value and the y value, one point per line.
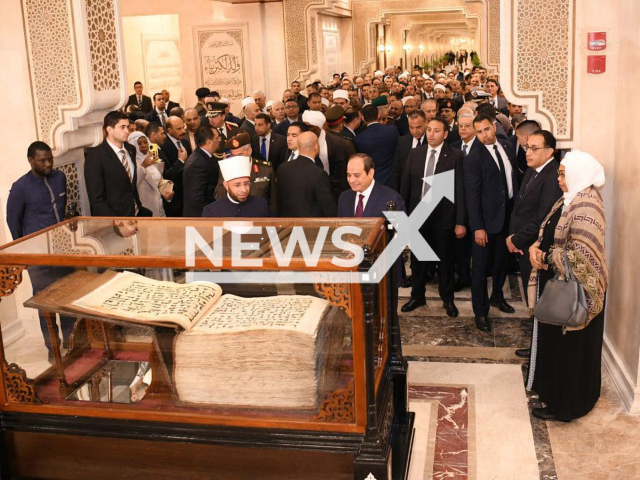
360	207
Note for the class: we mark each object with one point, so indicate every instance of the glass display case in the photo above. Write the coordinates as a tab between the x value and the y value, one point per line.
179	346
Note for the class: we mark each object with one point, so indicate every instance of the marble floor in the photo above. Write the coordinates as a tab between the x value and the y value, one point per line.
472	410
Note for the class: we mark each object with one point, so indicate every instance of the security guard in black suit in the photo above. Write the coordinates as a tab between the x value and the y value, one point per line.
216	115
262	174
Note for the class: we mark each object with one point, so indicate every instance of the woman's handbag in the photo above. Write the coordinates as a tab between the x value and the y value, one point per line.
563	302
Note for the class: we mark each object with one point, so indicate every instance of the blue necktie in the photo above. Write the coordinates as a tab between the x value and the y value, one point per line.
263	148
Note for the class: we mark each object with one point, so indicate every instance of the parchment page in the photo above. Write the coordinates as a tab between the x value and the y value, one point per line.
132	296
295	313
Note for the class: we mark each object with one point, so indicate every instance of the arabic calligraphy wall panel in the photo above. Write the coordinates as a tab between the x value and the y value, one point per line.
220	59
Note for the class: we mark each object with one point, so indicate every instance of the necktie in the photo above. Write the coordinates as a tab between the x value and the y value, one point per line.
127	167
504	173
263	148
360	207
419	142
163	120
430	168
464	149
179	145
125	163
291	157
526	185
221	130
139	101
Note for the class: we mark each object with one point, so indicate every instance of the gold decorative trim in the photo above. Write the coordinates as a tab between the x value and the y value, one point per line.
337	294
338	407
10	278
19	387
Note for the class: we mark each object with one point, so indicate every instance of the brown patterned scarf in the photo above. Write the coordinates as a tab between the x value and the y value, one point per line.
580	230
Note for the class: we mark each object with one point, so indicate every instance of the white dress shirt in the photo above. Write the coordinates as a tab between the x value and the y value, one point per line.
414	141
469	145
324	153
541	167
506	162
366	194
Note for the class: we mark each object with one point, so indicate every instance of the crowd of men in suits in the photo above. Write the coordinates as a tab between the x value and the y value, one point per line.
347	148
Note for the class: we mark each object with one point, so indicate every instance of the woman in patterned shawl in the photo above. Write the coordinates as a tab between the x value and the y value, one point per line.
565	362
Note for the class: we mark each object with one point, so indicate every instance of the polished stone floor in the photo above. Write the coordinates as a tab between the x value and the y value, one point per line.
501	440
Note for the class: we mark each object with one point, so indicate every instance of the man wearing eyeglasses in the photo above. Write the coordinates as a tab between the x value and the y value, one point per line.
292	114
538	193
519	140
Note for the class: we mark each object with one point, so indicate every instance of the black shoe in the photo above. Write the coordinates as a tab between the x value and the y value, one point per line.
523	352
451	309
412	304
483	324
543	414
406	283
502	306
458	286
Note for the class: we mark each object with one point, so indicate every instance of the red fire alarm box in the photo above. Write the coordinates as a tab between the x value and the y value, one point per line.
596	64
597	40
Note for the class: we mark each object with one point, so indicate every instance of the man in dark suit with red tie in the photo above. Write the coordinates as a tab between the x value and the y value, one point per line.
110	173
491	185
366	198
445	223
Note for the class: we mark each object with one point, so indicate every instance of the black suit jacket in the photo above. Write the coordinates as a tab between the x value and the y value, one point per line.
338	150
170	106
146	105
345	132
379	142
453	135
248	127
403	148
282	127
377	203
152	116
538	193
277	150
520	155
200	176
173	170
485	192
304	190
402	124
111	193
446	215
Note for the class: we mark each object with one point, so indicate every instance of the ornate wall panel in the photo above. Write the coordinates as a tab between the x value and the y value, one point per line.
538	70
103	44
73	183
296	32
53	62
76	76
493	34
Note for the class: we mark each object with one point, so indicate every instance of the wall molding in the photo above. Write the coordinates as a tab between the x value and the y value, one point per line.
626	386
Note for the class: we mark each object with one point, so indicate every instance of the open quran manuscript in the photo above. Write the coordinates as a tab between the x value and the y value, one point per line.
279	352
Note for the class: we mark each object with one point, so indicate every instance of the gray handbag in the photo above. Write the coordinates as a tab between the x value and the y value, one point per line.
563	302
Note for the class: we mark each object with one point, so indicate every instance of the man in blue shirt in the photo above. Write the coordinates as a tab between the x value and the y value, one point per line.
38	200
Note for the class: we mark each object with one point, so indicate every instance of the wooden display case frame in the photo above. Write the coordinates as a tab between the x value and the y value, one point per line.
368	422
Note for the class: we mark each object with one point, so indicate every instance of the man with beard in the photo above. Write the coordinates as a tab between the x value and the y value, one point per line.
236	172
